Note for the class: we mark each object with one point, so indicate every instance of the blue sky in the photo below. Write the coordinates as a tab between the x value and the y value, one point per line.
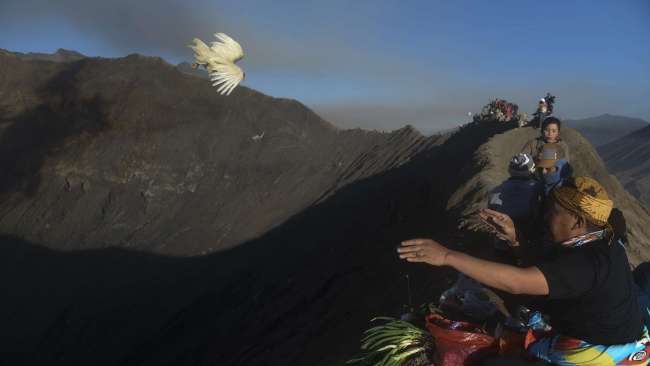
379	64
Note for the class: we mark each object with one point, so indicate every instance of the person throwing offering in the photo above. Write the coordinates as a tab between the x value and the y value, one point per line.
586	282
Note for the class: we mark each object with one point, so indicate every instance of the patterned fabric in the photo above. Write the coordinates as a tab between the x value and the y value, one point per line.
521	165
548	155
585	196
584	239
567	351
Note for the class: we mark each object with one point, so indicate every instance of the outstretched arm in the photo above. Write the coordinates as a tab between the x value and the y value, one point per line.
511	279
515	280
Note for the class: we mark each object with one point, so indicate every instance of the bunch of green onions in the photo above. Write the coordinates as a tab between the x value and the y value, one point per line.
395	343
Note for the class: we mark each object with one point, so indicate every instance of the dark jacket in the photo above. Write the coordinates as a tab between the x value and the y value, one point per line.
538	117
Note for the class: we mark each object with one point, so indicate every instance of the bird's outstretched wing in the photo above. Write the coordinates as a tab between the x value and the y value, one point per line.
227	48
228	75
219	59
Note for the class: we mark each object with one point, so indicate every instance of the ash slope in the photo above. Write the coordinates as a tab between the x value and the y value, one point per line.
131	152
629	159
603	129
142	222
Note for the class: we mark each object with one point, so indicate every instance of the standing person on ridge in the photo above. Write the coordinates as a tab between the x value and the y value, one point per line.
551	128
540	114
544	110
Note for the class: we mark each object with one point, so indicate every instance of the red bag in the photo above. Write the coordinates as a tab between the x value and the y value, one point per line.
459	343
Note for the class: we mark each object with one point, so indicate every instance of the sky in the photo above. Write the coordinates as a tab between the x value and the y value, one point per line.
379	64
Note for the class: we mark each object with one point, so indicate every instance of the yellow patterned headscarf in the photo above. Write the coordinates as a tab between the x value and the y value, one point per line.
585	196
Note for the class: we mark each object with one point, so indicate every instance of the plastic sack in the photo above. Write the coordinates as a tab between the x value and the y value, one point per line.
459	343
468	297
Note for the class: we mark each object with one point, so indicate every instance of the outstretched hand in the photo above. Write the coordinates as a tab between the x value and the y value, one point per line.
423	250
502	224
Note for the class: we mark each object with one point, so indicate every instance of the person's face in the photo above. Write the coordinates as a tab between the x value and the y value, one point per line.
552	169
551	132
561	223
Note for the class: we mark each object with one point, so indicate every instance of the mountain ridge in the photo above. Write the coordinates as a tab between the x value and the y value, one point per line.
605	128
60	55
629	159
149	120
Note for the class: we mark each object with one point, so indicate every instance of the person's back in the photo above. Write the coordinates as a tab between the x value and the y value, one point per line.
519	195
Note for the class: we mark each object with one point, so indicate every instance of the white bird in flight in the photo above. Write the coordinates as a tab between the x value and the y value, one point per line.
219	59
258	137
